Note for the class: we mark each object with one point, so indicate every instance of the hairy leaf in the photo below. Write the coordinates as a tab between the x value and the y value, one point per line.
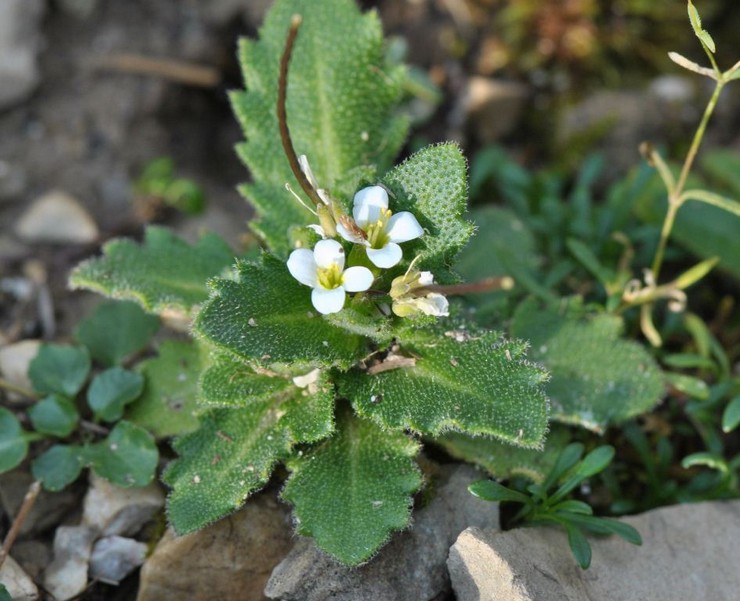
167	406
266	315
354	489
479	384
340	102
432	184
162	274
59	369
597	378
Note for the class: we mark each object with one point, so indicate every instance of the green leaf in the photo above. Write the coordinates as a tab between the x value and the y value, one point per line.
723	167
340	101
127	457
711	460
230	456
4	594
579	545
59	369
731	415
503	461
702	34
266	315
13	442
688	361
164	274
116	330
111	390
167	406
689	385
58	466
597	378
599	525
432	185
573	506
590	261
353	490
565	461
55	415
479	384
490	490
595	462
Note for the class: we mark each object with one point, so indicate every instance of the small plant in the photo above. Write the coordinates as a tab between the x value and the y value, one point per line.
550	502
157	185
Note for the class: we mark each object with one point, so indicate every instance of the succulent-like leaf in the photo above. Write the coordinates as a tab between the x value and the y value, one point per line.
13	442
353	490
55	415
113	389
167	406
340	102
163	274
115	330
266	315
59	369
475	383
432	184
597	378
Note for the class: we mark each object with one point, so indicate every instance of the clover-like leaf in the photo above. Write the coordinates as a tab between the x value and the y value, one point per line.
58	466
432	184
127	457
340	100
354	489
163	274
475	383
230	456
113	389
266	315
55	415
115	330
598	378
59	369
167	406
13	441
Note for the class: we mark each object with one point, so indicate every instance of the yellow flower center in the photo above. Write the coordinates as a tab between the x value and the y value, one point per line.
330	277
376	234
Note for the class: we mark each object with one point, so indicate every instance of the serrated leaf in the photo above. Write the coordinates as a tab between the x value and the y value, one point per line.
597	378
353	490
167	406
432	184
479	384
116	330
266	315
127	457
55	415
502	460
731	415
162	274
699	31
340	101
13	443
59	369
111	390
308	411
230	456
58	466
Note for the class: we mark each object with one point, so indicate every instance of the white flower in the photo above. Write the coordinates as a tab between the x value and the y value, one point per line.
323	270
378	229
410	297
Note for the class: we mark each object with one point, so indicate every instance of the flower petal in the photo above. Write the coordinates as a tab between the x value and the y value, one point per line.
368	203
426	278
328	301
385	257
357	279
402	227
327	252
302	266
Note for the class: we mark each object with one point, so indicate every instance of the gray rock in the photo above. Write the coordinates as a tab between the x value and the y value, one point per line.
18	584
57	218
115	557
66	576
20	42
113	510
410	567
33	556
14	361
689	552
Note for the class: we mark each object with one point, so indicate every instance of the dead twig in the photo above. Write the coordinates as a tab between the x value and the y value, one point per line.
174	70
15	528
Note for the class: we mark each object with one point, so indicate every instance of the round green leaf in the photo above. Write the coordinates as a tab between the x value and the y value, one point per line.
128	457
58	467
112	390
115	330
59	369
13	443
55	415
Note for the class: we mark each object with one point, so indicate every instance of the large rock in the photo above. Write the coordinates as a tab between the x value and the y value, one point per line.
229	560
66	576
20	40
410	567
689	553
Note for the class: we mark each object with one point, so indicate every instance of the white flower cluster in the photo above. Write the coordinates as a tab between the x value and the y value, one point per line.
381	232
